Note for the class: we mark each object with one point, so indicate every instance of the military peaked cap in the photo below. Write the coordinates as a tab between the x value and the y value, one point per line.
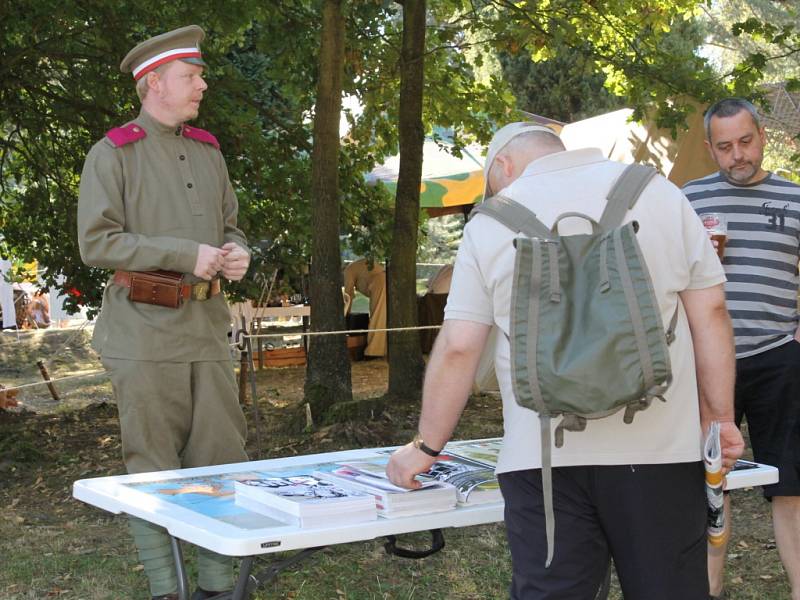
178	44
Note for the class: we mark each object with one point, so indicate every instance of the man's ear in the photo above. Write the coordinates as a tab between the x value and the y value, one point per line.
153	80
506	164
710	150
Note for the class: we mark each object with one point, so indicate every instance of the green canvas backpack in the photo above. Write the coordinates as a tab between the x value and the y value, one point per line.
587	339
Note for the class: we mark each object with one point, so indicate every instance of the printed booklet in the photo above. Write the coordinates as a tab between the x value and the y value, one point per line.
299	498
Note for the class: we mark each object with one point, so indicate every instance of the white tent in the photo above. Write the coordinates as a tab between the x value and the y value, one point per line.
679	160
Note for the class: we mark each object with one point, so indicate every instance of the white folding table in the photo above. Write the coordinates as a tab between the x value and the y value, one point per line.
197	506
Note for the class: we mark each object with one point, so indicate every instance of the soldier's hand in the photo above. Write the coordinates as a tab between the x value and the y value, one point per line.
210	261
236	262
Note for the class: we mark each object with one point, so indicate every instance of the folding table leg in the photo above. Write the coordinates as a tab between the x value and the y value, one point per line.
180	569
247	583
241	591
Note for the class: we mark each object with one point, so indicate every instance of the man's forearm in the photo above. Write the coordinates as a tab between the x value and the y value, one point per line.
715	355
716	369
448	380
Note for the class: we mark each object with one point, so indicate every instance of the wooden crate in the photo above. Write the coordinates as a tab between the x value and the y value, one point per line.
282	357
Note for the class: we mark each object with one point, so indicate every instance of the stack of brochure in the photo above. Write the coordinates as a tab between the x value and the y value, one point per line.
369	475
298	498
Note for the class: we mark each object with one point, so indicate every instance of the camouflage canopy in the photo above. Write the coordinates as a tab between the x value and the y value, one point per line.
448	182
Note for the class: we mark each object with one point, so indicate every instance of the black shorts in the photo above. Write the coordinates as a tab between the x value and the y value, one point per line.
768	396
650	518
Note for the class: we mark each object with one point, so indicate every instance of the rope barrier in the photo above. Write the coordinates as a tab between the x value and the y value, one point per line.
343	331
23	386
243	335
29	333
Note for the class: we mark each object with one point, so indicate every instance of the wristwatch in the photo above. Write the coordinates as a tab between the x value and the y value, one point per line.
422	447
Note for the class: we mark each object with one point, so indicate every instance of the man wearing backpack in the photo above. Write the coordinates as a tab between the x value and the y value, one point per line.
760	261
632	491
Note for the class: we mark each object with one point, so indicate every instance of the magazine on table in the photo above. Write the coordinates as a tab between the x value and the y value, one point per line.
391	501
482	451
475	481
299	498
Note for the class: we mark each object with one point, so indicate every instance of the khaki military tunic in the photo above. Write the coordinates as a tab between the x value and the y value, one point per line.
147	205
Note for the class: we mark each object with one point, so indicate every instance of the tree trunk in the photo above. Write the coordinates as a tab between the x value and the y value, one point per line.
328	370
405	356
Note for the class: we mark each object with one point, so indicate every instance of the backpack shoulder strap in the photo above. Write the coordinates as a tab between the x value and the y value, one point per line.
514	216
624	194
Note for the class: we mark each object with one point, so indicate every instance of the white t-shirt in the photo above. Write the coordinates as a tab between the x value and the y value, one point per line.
679	256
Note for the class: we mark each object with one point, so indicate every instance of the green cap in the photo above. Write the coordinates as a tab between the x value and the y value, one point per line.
179	44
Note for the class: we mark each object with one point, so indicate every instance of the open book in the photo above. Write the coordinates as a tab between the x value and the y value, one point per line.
469	465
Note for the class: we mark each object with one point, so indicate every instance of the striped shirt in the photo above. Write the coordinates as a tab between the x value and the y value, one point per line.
761	255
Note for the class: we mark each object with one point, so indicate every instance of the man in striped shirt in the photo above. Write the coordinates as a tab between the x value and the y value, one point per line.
761	265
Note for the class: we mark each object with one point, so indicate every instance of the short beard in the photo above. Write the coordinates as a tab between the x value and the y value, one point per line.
739	176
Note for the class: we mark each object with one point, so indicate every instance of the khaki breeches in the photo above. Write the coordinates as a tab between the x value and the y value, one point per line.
177	415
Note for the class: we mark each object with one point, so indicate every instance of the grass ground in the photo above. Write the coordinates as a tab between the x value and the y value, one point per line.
55	547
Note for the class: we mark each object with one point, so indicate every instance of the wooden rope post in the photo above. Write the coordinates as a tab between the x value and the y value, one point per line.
46	377
243	377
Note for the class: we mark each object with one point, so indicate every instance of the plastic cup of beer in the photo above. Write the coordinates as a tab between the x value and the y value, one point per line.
717	226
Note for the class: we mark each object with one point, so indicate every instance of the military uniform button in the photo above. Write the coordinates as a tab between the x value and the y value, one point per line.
136	130
182	157
189	185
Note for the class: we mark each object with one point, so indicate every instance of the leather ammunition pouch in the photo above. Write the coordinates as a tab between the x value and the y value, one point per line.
164	288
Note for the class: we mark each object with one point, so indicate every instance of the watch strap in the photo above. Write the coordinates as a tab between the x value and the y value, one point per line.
420	445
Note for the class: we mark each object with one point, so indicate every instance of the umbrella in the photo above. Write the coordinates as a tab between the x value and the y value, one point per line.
448	182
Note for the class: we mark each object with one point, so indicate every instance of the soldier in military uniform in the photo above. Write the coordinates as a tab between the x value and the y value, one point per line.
156	206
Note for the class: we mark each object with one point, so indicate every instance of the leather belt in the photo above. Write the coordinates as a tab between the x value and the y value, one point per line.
202	290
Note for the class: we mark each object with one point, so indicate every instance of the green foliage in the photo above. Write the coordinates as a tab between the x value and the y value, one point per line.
752	43
645	50
440	239
566	87
60	90
754	37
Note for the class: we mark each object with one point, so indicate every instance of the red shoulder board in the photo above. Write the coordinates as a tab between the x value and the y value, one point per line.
201	135
127	134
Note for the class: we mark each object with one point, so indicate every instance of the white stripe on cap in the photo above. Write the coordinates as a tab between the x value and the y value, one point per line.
162	56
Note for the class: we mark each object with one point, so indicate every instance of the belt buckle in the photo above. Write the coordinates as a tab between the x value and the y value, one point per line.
200	291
